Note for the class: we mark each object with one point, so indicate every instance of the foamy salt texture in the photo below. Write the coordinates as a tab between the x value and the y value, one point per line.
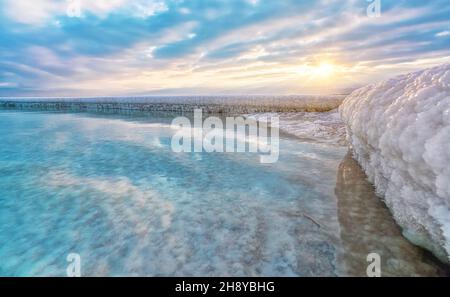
400	133
324	127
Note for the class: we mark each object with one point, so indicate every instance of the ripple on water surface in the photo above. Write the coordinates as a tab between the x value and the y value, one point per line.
110	189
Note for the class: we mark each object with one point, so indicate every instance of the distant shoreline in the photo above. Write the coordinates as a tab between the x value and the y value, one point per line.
209	104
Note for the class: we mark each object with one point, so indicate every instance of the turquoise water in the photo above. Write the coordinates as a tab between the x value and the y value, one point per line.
109	188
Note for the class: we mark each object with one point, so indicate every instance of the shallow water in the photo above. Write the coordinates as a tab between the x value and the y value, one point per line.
109	188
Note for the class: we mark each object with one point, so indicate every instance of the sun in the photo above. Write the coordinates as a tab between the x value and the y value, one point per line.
324	69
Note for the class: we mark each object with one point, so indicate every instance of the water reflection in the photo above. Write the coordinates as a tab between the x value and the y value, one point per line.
367	226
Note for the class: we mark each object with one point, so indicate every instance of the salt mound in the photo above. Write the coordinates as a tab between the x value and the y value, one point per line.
399	130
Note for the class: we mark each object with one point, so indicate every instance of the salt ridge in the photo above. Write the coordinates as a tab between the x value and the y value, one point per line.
399	130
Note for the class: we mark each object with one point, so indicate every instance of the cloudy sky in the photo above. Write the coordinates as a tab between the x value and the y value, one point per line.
138	47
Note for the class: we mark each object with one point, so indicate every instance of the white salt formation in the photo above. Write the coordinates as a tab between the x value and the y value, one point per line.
399	130
326	127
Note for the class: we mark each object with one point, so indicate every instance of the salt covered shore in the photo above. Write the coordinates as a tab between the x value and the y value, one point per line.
325	127
399	130
209	104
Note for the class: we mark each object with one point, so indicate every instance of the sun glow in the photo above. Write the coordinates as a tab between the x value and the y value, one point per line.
322	70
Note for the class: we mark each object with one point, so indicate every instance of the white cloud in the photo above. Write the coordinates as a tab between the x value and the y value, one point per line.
146	8
443	34
38	12
7	84
184	10
33	12
44	56
100	7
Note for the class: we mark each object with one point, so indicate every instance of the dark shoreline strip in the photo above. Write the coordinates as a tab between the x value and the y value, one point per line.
180	104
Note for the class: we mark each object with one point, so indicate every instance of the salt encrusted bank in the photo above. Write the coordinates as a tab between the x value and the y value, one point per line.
209	104
399	131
